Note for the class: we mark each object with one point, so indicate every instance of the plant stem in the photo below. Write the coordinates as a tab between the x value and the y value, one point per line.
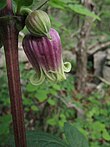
10	41
9	36
42	4
25	10
9	7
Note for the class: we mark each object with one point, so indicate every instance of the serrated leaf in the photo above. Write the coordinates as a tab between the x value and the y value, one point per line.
74	137
82	10
40	139
45	140
2	4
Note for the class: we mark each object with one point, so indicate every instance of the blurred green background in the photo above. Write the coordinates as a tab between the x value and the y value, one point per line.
48	106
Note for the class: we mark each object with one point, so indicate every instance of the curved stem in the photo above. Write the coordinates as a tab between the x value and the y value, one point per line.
25	10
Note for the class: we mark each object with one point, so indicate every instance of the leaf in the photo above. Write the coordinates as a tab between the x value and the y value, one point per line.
4	124
82	10
106	135
56	87
23	2
52	101
41	95
40	139
34	108
74	137
2	4
38	3
27	102
52	121
31	88
59	4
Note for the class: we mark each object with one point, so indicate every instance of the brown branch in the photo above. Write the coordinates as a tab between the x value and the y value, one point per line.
80	112
81	51
103	80
98	46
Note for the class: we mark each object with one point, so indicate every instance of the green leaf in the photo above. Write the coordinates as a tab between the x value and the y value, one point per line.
38	3
23	2
27	102
56	87
62	120
106	135
74	137
4	124
31	88
40	139
41	95
59	4
52	101
2	4
52	121
34	108
82	10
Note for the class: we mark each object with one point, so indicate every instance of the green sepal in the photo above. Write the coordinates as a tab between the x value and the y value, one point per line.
53	76
37	78
38	23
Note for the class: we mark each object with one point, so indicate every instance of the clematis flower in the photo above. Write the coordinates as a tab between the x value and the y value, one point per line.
45	55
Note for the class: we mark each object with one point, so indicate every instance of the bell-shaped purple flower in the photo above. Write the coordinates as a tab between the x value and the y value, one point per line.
46	57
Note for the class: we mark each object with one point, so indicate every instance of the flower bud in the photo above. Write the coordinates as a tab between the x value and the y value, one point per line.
38	23
46	57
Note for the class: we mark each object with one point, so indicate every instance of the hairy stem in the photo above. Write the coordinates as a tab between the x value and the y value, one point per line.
10	41
9	36
9	7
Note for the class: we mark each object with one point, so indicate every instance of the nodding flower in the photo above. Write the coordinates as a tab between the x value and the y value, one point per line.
45	55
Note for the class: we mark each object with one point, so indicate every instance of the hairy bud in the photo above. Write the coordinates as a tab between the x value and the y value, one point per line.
38	23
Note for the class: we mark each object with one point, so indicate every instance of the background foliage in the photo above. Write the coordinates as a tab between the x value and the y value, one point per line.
49	106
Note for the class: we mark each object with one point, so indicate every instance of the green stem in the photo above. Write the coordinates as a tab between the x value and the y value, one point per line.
25	10
42	4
